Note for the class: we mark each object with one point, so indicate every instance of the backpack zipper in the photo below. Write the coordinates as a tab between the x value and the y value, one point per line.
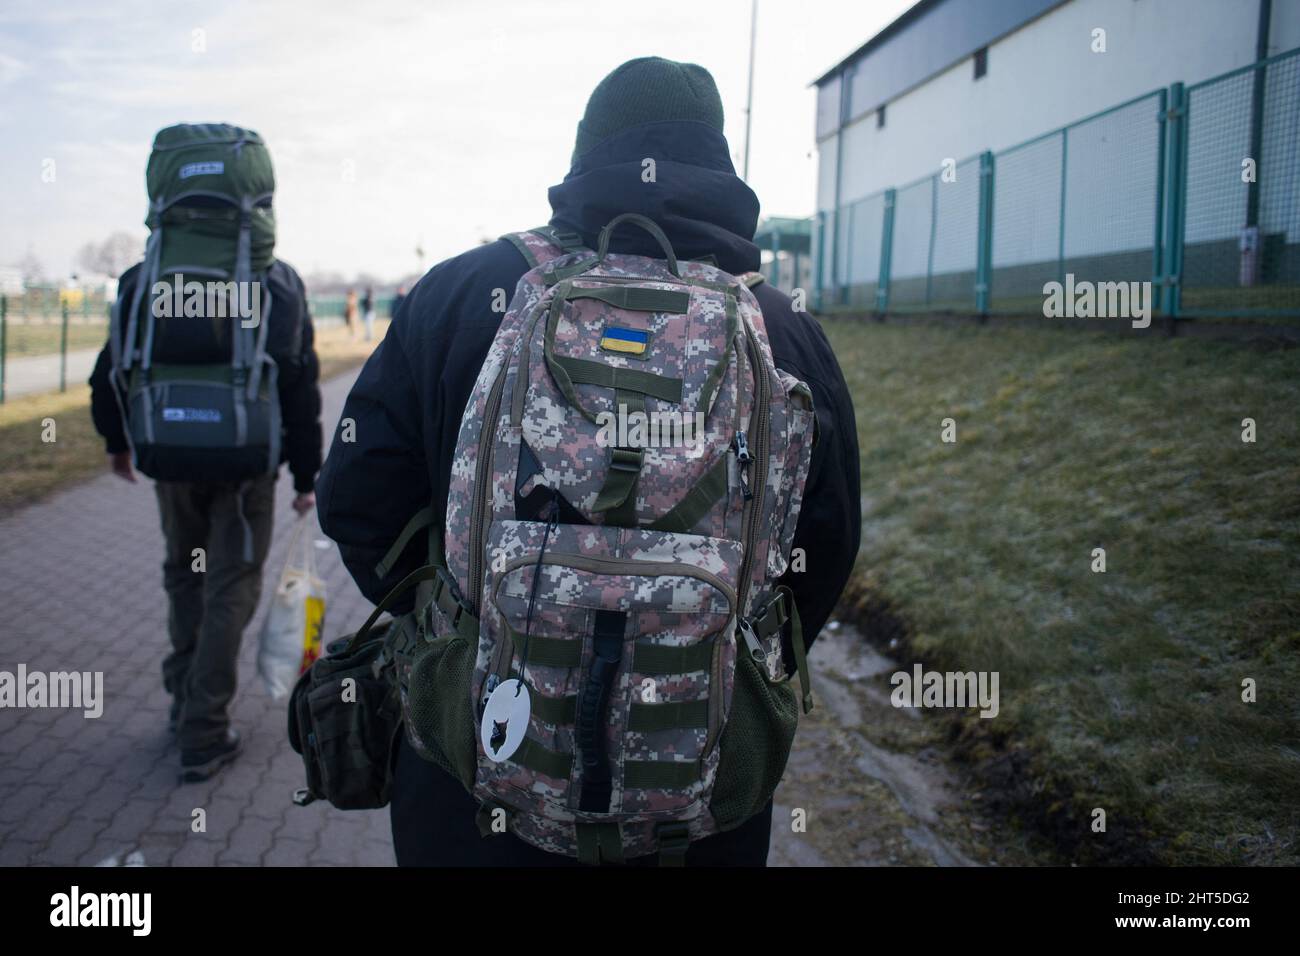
482	494
760	437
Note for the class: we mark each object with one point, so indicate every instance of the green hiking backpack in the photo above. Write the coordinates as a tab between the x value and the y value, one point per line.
212	233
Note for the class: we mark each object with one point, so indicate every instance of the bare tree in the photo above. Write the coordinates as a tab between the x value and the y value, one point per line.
113	256
32	270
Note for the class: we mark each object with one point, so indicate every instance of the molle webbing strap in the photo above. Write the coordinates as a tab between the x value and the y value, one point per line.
635	298
660	774
586	372
673	716
533	756
550	651
549	710
607	650
599	843
698	501
669	659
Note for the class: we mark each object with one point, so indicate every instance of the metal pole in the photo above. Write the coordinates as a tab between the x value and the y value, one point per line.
984	239
4	328
1060	248
886	253
63	351
749	95
1176	187
934	215
1157	241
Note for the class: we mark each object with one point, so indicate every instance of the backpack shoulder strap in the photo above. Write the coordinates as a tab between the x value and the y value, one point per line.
541	245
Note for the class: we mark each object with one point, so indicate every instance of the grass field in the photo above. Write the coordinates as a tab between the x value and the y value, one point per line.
23	339
1120	690
31	468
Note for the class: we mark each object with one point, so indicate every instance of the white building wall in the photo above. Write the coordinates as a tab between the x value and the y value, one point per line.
1046	75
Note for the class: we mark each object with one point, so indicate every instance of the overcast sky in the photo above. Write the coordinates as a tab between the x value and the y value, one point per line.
389	123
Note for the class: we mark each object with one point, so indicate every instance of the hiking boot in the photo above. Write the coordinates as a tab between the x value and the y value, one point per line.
199	765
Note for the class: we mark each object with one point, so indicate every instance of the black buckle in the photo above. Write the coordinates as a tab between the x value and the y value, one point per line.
564	237
775	606
674	840
443	595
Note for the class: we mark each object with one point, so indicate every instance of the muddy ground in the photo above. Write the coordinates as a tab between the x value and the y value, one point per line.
878	785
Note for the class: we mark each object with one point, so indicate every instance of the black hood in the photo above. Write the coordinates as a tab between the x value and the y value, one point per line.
696	198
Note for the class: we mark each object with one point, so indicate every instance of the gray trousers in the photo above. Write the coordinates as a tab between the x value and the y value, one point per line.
209	609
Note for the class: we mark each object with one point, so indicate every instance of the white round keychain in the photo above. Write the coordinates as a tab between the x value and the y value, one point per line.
505	720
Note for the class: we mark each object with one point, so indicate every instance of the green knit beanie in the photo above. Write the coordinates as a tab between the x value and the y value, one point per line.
649	89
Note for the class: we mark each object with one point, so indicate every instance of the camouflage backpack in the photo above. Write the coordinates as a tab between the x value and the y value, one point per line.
599	660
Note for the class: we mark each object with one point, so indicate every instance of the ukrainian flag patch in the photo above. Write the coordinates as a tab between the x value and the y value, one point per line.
629	341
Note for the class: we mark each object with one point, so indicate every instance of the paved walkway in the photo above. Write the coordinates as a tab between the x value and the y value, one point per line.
81	589
40	373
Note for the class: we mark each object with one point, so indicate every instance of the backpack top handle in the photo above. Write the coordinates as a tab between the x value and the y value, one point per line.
649	225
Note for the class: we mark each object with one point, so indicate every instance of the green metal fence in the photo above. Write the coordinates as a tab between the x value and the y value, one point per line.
1192	192
50	338
326	307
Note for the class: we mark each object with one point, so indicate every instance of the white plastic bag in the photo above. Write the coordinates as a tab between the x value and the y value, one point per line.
291	634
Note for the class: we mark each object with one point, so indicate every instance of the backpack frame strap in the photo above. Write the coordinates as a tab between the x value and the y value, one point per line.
540	245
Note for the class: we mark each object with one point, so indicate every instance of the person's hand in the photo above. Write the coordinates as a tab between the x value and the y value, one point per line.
304	502
120	465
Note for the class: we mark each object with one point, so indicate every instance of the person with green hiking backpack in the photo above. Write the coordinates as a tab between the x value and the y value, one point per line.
613	518
208	382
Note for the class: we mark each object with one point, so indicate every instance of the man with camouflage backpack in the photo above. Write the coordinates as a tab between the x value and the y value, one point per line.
207	383
606	627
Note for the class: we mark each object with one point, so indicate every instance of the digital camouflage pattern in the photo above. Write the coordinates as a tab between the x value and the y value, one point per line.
679	589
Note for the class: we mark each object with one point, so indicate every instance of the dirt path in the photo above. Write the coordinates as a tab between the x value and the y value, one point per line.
876	783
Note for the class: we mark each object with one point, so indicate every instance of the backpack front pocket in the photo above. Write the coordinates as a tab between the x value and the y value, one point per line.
621	635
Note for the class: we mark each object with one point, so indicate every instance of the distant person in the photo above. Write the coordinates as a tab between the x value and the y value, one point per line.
398	298
408	402
350	313
188	401
368	312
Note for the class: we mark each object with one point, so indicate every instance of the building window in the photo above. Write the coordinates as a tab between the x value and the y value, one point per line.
880	117
981	61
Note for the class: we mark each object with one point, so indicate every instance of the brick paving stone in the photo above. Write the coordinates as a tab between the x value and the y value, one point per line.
81	585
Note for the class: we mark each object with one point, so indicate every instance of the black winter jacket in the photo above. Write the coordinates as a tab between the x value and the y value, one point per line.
290	341
407	403
408	400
